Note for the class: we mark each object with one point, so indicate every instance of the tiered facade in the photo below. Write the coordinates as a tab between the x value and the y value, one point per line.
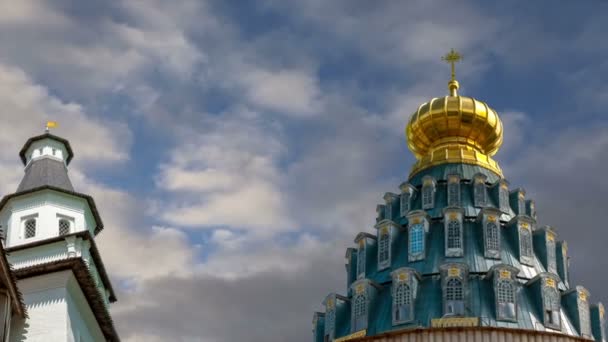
58	288
457	251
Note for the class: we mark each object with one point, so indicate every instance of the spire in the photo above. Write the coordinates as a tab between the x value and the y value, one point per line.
452	57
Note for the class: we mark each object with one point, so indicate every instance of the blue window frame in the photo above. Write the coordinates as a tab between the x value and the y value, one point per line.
417	239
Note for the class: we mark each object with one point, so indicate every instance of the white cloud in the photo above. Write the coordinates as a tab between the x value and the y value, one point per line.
227	175
285	91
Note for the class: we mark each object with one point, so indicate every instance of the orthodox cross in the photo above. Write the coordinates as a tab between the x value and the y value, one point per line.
452	57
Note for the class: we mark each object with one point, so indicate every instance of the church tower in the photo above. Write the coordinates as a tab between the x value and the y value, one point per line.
50	231
457	253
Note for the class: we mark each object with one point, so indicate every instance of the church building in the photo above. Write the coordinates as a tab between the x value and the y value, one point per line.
53	283
457	253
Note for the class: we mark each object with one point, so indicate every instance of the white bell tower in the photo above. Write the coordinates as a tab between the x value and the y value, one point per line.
50	234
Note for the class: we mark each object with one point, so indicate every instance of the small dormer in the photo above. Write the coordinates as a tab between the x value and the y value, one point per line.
576	303
563	262
391	205
490	223
386	237
517	199
480	191
500	191
545	246
336	310
598	322
547	299
523	226
351	265
365	292
406	199
453	190
429	187
366	248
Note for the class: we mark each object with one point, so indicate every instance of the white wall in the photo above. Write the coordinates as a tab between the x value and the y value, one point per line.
81	321
47	207
45	299
70	247
57	310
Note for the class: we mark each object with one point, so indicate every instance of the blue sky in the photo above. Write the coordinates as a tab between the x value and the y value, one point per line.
236	148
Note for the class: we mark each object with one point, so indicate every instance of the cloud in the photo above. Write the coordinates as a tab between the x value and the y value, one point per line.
227	175
284	91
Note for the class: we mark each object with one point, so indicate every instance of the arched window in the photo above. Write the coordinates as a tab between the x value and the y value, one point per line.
361	260
359	312
505	299
384	248
551	304
583	311
417	240
64	227
525	242
30	228
492	240
402	305
453	191
454	297
454	240
479	193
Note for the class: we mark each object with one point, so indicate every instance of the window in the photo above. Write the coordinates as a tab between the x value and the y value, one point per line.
492	238
503	198
416	241
551	258
453	191
428	193
384	248
583	311
505	300
405	203
454	240
525	244
454	297
359	312
30	228
480	193
64	227
402	305
552	306
361	260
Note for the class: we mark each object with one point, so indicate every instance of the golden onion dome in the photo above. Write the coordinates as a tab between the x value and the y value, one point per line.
454	129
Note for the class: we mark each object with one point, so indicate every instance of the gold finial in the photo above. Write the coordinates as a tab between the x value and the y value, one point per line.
50	124
452	57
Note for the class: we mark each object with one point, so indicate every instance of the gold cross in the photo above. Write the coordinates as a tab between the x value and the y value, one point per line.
452	57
